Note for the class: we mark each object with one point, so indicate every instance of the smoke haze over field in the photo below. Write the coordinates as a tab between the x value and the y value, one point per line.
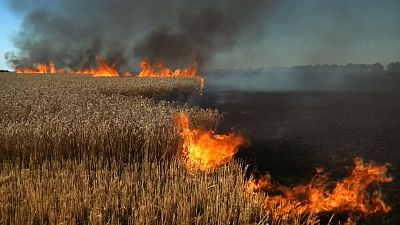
70	33
215	34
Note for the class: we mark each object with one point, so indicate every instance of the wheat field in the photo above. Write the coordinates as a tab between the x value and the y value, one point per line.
83	150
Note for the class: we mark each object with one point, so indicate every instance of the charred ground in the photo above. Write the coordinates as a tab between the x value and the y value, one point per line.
294	131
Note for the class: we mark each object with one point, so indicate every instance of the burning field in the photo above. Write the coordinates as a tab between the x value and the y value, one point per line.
80	149
107	118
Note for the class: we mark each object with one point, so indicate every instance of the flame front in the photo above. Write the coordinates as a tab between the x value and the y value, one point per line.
103	70
109	70
160	70
202	149
40	68
350	194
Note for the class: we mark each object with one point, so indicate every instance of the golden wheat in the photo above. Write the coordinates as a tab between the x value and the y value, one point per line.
58	117
68	192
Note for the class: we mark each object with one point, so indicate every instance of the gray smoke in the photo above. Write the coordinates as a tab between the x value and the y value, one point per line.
71	33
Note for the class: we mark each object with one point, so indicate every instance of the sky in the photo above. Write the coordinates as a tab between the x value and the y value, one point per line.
10	24
324	32
294	33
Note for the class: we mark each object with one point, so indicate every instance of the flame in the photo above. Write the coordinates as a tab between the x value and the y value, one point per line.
202	149
160	70
127	74
103	70
52	68
109	70
40	68
257	185
351	194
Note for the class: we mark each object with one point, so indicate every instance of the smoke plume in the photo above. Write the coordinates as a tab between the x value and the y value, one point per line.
71	33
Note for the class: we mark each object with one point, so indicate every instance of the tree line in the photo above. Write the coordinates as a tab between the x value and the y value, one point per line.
376	67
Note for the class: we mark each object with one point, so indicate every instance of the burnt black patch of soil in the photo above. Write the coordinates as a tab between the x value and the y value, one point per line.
291	133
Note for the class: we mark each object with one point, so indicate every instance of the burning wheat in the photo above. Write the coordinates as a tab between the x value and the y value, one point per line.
203	150
86	150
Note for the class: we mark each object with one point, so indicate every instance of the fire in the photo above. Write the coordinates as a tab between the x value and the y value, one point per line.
351	194
359	192
253	185
160	70
52	68
202	149
103	70
40	68
127	74
109	70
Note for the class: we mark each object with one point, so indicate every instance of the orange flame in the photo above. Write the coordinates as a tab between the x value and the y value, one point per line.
253	185
348	195
40	68
160	70
52	68
103	70
202	149
127	74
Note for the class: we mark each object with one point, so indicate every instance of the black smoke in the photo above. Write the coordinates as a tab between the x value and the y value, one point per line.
71	33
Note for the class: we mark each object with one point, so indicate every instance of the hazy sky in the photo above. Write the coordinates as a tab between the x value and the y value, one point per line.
294	33
9	27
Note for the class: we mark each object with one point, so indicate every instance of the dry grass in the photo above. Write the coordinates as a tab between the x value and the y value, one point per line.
68	192
82	150
59	117
149	193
